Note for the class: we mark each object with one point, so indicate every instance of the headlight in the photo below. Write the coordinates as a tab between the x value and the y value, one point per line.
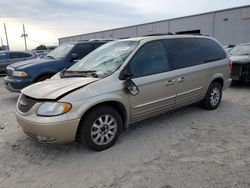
20	74
53	108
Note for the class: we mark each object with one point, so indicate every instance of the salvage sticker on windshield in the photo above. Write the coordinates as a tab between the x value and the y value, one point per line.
121	49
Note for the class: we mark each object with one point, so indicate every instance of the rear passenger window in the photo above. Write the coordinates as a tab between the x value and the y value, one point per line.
150	59
211	50
183	52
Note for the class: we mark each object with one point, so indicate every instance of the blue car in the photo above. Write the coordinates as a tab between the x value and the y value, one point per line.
24	73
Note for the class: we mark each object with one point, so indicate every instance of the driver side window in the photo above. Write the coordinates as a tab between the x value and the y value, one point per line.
150	59
82	50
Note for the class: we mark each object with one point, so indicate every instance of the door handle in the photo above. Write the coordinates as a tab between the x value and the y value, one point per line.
180	79
169	82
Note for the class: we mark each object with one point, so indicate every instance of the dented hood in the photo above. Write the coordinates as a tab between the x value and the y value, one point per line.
54	88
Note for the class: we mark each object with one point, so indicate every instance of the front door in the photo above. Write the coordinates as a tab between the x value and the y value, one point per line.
152	74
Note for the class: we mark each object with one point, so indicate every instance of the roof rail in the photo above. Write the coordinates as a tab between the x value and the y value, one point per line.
101	39
158	34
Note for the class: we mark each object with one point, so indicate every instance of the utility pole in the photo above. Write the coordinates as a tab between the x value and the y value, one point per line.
24	35
7	41
1	42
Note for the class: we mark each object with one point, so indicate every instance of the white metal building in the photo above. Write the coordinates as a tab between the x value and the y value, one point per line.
229	26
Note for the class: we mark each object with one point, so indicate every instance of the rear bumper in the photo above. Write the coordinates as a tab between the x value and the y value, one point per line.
227	83
16	84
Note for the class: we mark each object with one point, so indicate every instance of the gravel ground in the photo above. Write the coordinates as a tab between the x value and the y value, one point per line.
189	147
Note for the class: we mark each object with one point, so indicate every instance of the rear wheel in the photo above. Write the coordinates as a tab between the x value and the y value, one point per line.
213	97
101	128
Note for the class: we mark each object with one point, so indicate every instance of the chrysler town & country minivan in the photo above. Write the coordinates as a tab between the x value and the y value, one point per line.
123	82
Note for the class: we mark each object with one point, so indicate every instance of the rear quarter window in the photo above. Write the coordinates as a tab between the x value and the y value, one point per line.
211	50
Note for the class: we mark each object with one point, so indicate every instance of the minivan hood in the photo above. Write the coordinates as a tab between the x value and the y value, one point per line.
54	88
240	58
26	63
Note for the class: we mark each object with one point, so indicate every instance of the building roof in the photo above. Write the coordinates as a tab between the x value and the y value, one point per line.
210	12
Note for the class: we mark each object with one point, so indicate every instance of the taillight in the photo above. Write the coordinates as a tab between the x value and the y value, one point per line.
230	65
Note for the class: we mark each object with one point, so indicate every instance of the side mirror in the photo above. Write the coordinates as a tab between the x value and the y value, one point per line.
74	56
129	84
132	87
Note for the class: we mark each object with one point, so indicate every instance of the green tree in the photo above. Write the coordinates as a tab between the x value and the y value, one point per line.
1	48
51	47
41	47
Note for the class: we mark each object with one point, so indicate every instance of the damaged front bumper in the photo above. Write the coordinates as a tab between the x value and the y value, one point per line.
240	72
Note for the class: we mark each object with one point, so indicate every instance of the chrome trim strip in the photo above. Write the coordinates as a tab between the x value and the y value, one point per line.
160	100
190	91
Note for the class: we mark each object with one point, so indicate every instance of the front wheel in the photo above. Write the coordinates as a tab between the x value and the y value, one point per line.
213	97
101	128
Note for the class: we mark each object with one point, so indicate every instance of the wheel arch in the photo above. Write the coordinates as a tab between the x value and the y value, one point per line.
218	78
117	105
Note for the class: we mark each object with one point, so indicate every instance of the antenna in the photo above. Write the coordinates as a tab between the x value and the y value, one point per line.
24	35
7	41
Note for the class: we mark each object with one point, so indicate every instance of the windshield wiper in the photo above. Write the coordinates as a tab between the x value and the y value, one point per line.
50	56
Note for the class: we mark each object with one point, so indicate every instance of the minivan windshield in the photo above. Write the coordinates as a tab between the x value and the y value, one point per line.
60	52
104	60
240	50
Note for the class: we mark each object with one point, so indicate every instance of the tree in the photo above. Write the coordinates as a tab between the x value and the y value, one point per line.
51	47
1	48
41	47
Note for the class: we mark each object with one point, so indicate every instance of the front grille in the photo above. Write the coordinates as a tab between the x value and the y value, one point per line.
25	103
236	70
9	72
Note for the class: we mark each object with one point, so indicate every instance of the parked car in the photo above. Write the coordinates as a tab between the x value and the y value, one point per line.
22	74
123	82
9	57
228	48
240	56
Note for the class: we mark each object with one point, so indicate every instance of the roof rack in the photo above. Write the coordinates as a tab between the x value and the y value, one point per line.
170	33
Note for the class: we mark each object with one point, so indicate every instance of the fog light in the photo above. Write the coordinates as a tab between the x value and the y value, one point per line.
45	139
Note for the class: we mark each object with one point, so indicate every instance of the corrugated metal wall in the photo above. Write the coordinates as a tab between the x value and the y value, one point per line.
228	26
204	23
231	28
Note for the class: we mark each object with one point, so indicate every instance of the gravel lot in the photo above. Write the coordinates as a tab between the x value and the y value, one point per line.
189	147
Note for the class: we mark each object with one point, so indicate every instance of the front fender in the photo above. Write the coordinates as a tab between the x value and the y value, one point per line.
96	100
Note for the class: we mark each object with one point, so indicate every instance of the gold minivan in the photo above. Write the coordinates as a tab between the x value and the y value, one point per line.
123	82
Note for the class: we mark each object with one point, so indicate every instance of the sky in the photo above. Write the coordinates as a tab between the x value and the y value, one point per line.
47	20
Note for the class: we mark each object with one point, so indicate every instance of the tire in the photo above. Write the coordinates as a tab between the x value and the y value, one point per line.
95	133
213	97
42	78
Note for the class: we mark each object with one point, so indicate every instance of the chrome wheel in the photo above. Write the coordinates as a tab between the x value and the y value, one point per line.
215	96
103	129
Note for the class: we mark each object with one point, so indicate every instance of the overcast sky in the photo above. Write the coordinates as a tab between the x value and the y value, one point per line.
47	20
